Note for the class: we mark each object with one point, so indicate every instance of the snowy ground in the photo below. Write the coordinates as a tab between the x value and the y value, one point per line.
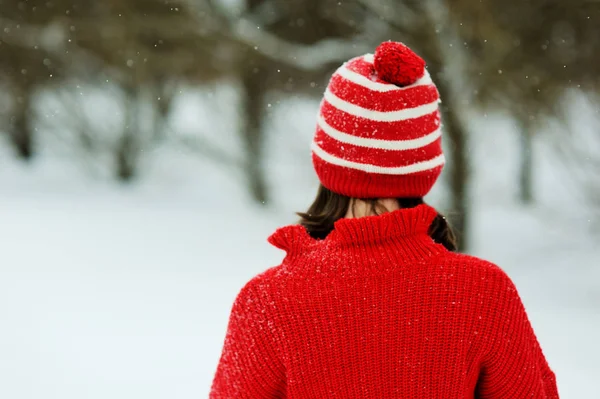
124	293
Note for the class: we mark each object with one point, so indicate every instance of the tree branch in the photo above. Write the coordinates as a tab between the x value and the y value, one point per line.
398	15
53	40
307	57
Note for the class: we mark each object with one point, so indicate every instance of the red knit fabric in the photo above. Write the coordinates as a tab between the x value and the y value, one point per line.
378	310
397	64
372	185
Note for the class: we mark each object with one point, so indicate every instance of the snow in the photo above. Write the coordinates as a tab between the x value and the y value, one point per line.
111	291
116	296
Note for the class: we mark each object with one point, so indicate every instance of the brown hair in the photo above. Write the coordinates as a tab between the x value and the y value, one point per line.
329	207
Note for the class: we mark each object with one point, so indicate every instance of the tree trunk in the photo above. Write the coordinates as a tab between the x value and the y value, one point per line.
526	163
435	47
126	151
253	136
163	94
458	164
20	130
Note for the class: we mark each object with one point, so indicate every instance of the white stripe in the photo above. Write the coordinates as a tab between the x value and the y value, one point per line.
377	86
399	170
370	58
378	116
397	145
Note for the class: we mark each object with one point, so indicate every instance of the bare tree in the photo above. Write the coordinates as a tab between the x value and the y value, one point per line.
286	47
518	56
27	62
524	57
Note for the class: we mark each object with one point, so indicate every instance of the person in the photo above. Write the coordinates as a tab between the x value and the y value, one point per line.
372	300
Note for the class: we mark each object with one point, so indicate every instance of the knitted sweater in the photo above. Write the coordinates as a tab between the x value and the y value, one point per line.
379	310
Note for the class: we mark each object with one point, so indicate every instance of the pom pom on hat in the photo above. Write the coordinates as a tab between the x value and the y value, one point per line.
397	64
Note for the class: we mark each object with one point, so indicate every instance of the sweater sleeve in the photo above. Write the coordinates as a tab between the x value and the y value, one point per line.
250	365
513	364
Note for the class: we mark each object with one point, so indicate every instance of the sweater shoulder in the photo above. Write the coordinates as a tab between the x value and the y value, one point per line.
473	266
262	284
474	262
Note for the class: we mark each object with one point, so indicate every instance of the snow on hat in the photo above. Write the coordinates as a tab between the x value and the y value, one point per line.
379	130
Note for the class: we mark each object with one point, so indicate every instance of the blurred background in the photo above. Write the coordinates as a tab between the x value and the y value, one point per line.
148	148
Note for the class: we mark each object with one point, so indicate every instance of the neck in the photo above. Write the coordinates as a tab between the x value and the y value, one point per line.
360	208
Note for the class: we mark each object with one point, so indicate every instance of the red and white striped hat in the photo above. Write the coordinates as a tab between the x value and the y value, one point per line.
379	131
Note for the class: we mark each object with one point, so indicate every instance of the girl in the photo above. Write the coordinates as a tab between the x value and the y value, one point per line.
371	300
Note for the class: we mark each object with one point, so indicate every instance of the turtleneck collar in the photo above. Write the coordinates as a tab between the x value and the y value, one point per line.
410	225
372	229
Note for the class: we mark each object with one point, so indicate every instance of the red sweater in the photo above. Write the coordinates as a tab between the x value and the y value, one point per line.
378	310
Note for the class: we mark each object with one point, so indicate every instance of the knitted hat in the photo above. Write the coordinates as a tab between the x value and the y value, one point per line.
379	131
